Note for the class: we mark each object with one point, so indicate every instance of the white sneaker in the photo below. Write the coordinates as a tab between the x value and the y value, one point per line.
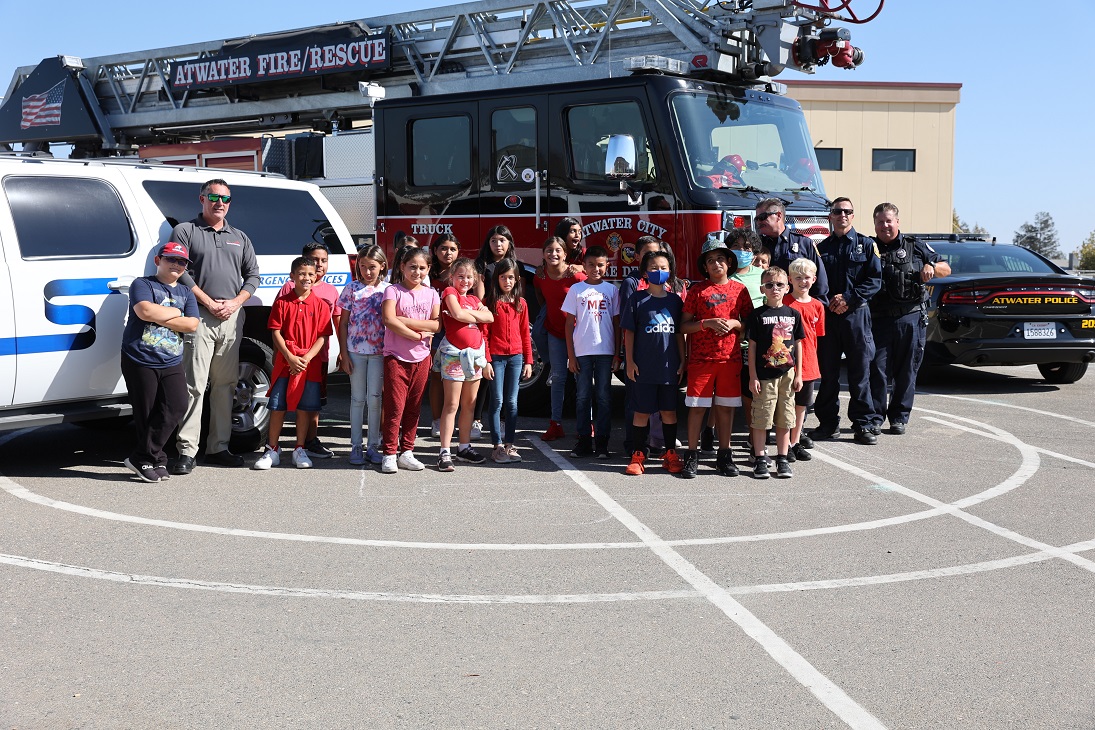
300	458
357	455
407	461
512	453
500	455
435	429
476	430
388	465
269	458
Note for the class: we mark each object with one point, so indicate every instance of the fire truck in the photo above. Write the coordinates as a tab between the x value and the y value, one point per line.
636	117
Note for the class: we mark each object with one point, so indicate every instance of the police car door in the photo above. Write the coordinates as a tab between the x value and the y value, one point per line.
71	252
7	330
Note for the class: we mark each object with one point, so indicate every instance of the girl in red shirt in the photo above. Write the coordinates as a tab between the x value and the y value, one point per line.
460	358
509	355
444	251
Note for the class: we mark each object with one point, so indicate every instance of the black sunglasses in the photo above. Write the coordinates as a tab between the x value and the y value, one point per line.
216	198
841	211
766	216
775	285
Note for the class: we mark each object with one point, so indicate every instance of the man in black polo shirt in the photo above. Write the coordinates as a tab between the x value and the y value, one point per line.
223	274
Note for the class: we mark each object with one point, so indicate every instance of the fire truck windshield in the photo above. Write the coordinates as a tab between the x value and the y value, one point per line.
745	142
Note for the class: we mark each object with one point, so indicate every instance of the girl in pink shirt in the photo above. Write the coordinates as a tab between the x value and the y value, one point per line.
410	312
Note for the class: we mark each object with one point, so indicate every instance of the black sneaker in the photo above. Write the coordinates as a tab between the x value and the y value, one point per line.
897	428
760	467
805	442
724	463
316	450
799	453
582	449
444	462
691	464
162	473
707	440
147	472
824	433
865	437
783	468
470	455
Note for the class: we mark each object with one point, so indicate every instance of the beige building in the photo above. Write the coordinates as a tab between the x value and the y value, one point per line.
882	141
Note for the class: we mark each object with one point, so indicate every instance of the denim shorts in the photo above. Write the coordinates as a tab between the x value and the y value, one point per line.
309	400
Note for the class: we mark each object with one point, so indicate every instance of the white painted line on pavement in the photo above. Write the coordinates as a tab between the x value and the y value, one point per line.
1009	405
825	690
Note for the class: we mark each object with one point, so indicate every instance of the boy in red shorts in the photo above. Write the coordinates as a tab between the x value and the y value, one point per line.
713	316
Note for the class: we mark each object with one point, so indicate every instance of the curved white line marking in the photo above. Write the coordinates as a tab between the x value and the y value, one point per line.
1008	405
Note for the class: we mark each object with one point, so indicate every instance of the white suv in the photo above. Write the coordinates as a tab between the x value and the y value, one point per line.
75	233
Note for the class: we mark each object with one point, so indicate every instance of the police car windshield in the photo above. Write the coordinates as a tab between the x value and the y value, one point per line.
742	142
985	258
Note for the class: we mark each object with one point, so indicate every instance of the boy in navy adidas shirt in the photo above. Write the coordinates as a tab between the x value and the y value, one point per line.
654	351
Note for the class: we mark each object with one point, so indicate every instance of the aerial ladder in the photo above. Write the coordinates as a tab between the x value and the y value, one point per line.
294	80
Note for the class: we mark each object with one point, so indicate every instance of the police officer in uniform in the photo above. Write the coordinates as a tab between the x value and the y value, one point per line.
900	320
855	274
786	245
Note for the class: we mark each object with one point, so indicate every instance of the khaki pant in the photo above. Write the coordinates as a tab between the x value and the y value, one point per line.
212	359
775	403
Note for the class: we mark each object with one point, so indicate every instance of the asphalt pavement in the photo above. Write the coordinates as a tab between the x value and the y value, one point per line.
940	579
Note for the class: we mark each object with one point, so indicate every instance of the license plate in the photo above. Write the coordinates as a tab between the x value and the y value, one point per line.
1039	330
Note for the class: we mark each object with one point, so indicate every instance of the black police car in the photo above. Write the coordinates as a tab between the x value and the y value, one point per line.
1006	305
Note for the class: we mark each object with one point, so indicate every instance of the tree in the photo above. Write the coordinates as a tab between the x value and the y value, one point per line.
960	226
1040	236
1087	254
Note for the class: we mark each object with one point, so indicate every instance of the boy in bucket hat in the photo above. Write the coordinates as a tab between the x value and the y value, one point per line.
712	319
161	311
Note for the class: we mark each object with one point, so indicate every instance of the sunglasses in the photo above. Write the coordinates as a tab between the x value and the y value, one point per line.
175	260
841	211
774	285
215	198
766	216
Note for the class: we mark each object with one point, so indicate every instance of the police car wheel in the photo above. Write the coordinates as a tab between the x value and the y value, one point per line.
1062	373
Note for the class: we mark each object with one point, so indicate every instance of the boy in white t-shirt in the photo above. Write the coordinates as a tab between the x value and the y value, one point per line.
592	309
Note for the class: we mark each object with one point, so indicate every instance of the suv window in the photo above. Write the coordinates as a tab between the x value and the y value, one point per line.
441	151
278	221
68	217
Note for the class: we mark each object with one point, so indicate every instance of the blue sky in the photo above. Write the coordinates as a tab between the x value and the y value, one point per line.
1024	130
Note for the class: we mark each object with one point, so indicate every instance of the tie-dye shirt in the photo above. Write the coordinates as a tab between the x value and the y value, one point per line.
365	327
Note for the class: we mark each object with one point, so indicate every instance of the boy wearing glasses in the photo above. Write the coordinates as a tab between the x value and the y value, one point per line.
775	335
161	311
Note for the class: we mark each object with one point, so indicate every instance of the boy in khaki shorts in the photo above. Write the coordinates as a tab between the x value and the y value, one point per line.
775	334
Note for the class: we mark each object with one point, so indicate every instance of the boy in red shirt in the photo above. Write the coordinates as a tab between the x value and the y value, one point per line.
300	324
803	275
713	316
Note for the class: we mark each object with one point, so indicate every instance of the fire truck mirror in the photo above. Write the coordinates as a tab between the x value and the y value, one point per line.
620	159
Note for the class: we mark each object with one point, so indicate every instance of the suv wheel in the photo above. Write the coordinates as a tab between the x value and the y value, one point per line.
250	416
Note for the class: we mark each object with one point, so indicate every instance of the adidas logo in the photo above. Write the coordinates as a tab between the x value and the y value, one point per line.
661	323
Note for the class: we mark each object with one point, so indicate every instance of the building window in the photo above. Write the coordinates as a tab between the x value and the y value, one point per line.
893	160
830	158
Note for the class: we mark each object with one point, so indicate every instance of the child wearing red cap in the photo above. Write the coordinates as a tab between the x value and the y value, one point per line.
161	311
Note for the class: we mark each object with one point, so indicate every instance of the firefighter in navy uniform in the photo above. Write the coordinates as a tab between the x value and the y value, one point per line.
855	275
786	245
900	320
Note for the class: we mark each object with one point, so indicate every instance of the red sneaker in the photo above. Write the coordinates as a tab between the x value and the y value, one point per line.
672	462
554	431
635	468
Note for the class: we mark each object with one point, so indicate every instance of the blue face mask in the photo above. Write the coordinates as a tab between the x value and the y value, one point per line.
745	258
657	277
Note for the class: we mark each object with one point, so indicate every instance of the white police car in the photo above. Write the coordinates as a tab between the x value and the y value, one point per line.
75	233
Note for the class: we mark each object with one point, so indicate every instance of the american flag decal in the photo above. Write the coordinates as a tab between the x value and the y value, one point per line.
43	109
